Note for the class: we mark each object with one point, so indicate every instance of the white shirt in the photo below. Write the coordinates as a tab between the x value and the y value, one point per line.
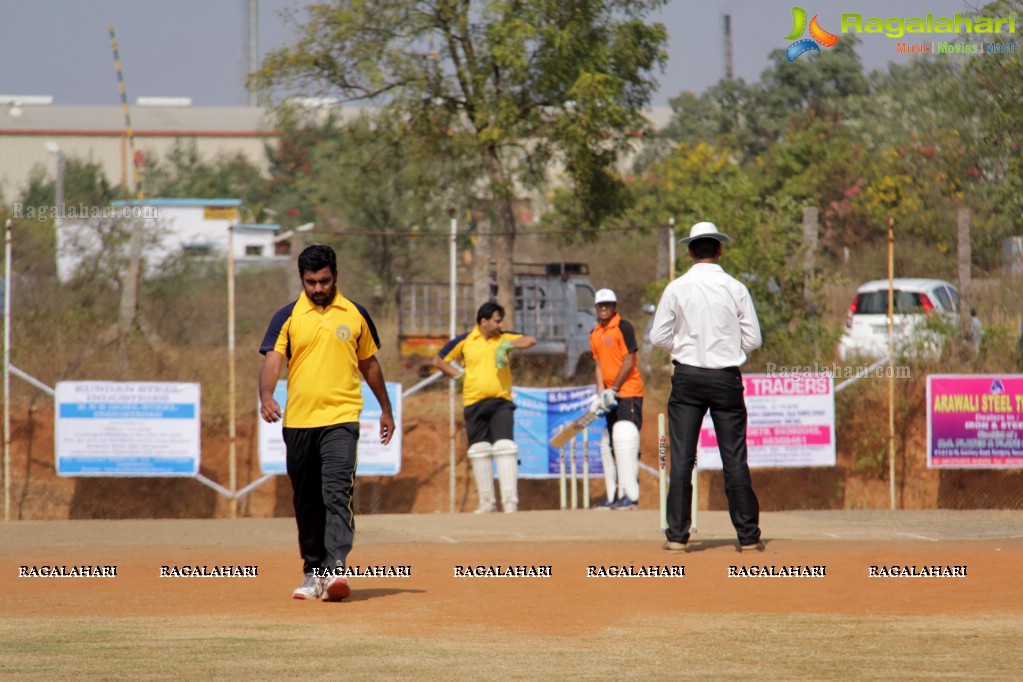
706	319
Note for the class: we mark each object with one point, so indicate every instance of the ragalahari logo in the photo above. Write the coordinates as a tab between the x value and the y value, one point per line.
818	35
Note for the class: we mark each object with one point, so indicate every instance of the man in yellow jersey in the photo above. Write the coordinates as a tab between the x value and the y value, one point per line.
620	392
327	341
489	410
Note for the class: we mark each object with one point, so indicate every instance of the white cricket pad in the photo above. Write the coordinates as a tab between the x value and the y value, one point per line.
625	437
506	454
483	471
607	457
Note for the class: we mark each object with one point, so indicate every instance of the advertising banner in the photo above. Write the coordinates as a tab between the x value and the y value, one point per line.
791	422
542	412
134	428
375	459
974	421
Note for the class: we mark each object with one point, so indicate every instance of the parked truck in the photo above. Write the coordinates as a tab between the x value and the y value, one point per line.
553	302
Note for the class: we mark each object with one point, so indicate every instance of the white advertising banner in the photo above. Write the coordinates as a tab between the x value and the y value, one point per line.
112	428
375	459
791	423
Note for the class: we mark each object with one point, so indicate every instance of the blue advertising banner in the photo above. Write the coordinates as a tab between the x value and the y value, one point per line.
375	459
542	412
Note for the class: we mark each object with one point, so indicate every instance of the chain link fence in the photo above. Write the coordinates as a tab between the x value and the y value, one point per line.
62	333
860	480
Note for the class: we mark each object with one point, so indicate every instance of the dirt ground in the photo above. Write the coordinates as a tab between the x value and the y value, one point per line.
432	624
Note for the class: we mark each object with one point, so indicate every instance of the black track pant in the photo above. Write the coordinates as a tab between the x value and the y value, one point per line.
321	465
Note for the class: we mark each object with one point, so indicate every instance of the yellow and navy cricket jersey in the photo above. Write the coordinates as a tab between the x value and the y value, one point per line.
323	347
482	377
610	345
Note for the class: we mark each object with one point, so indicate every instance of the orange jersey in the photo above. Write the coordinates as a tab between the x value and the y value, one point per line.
610	345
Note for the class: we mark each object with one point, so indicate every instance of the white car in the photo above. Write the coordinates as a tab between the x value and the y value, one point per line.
915	301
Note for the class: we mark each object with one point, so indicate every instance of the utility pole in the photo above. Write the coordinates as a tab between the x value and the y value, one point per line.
128	317
964	258
253	40
729	71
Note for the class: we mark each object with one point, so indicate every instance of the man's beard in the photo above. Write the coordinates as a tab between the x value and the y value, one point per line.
322	299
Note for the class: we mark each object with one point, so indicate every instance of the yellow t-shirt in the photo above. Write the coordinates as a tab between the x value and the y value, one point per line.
482	377
323	347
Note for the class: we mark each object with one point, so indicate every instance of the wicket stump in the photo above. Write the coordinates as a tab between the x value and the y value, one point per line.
662	463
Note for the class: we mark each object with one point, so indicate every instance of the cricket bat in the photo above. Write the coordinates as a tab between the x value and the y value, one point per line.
562	437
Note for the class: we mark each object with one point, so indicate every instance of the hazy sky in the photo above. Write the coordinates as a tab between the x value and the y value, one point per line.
198	49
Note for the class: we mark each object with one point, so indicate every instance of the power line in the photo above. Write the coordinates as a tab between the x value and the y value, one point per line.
518	233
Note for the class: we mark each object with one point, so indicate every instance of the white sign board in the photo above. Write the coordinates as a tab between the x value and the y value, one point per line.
111	428
791	422
375	459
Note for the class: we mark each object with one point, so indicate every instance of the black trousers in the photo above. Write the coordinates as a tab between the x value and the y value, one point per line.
490	420
694	390
321	464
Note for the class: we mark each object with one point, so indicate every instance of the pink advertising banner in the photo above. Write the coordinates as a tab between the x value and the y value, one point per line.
974	421
791	422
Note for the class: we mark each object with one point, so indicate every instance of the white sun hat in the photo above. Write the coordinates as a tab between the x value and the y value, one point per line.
705	230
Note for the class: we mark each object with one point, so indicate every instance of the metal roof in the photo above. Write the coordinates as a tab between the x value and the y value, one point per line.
267	227
149	120
110	119
219	203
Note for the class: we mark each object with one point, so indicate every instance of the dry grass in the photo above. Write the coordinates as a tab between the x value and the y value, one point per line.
713	646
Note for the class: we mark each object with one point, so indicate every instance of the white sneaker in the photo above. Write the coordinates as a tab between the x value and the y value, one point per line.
485	508
511	507
336	588
311	588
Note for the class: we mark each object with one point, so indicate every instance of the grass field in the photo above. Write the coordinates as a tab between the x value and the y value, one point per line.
435	626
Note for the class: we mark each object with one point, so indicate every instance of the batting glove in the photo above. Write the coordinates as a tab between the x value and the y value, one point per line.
609	398
501	354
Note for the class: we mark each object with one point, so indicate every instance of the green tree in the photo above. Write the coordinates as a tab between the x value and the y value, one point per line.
84	304
931	130
751	117
511	86
996	90
371	186
707	182
183	172
85	186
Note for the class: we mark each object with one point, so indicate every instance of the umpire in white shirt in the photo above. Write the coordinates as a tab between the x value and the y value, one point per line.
707	321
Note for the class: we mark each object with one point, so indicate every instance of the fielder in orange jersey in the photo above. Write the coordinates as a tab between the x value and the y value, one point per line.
620	392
